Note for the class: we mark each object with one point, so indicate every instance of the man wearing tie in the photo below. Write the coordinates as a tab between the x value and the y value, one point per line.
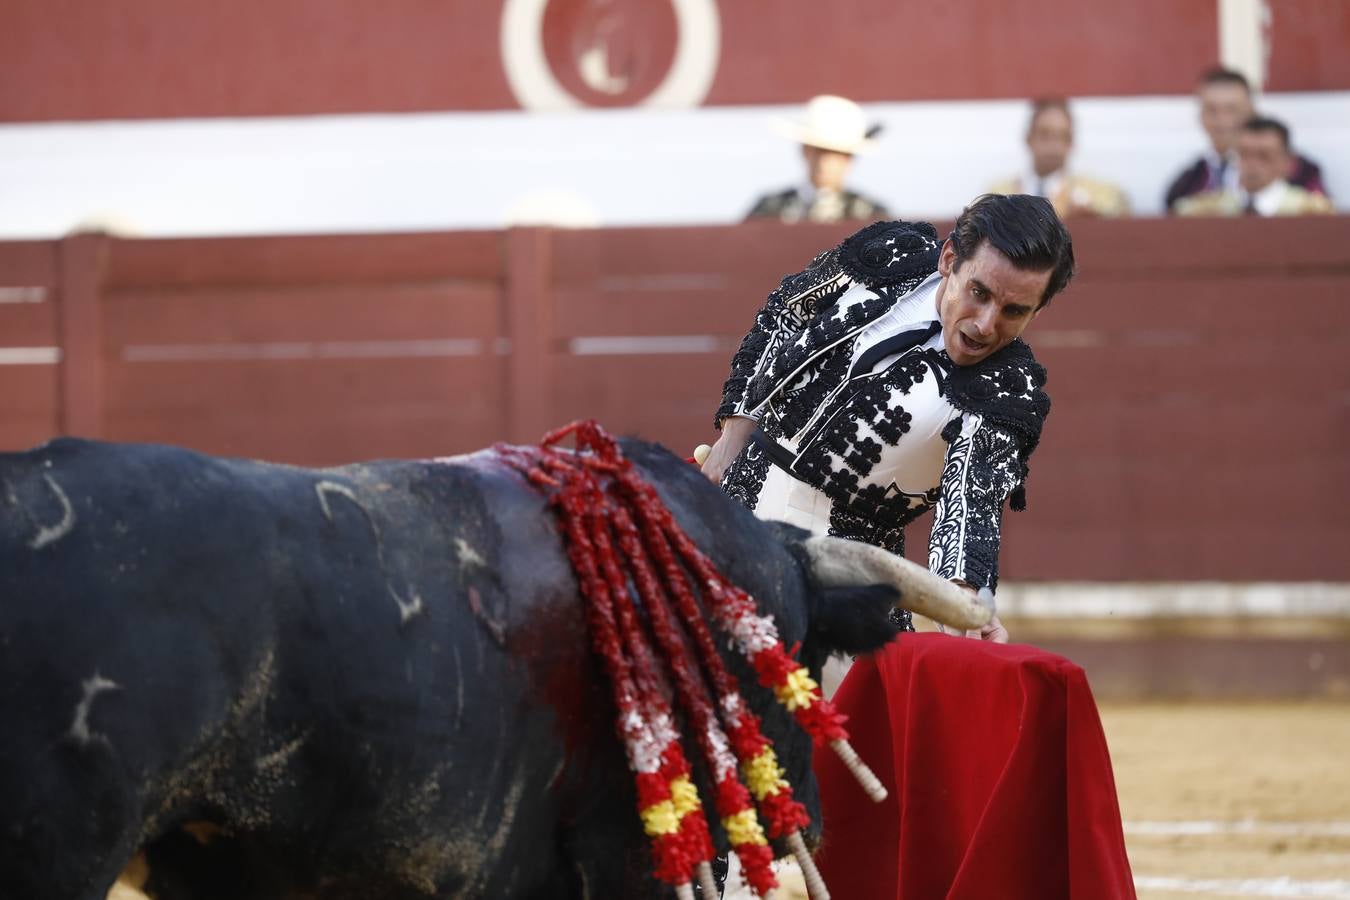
1225	104
1050	142
889	377
1263	190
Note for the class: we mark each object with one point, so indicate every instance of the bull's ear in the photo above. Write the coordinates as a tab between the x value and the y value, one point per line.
853	620
841	618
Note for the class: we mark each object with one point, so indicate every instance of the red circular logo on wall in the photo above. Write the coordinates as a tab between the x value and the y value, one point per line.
610	53
561	54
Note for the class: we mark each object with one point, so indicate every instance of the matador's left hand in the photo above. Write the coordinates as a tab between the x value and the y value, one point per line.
993	630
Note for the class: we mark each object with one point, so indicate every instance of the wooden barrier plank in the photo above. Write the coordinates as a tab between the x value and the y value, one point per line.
669	398
28	324
1154	307
322	386
29	397
1194	249
330	259
1225	555
759	252
327	441
28	264
622	308
29	343
683	281
330	408
270	313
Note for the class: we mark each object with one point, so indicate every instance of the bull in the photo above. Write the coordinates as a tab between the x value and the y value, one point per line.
366	681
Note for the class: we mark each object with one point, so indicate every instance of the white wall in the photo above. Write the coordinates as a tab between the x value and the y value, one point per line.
478	170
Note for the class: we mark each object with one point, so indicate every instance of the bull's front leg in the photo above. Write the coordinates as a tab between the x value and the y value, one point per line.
130	884
68	823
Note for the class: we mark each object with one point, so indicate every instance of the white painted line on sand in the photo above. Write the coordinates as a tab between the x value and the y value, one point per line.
1245	887
1242	826
1164	599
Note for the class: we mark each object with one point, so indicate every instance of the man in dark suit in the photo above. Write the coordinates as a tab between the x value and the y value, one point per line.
1225	106
1264	188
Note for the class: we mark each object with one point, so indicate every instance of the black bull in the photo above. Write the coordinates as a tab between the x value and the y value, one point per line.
370	681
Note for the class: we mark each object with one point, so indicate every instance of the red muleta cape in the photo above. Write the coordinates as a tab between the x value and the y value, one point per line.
999	776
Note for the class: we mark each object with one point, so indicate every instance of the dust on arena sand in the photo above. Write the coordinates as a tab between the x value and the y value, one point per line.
1221	799
1234	799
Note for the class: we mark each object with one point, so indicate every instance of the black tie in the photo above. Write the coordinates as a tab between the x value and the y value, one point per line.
896	343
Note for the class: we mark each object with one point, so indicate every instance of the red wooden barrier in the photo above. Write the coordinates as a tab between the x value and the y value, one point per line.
29	345
1202	406
316	350
1202	400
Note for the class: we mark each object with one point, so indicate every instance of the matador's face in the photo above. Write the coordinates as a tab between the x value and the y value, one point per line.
985	302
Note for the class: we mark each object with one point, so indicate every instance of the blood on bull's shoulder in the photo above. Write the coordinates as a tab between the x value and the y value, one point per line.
373	680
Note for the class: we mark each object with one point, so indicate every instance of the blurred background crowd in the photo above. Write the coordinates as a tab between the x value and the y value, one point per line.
178	119
1249	168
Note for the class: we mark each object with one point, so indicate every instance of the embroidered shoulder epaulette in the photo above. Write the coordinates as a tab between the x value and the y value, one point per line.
1008	388
887	253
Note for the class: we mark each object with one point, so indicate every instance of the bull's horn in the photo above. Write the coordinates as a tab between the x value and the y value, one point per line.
837	562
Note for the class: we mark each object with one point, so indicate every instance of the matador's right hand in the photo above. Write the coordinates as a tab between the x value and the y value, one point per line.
736	431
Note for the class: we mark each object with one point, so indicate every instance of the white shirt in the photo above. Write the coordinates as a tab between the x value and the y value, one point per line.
1267	200
914	310
1049	185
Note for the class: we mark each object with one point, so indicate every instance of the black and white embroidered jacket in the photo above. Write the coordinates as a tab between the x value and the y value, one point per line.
862	453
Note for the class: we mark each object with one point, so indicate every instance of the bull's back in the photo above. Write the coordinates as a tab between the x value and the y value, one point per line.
140	585
394	644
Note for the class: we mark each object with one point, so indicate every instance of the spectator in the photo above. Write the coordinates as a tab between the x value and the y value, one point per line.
835	131
1225	104
1050	141
1263	186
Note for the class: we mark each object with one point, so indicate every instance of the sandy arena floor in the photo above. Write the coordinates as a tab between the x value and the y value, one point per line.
1234	800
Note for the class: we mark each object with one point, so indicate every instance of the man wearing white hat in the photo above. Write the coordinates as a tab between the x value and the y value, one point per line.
835	131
